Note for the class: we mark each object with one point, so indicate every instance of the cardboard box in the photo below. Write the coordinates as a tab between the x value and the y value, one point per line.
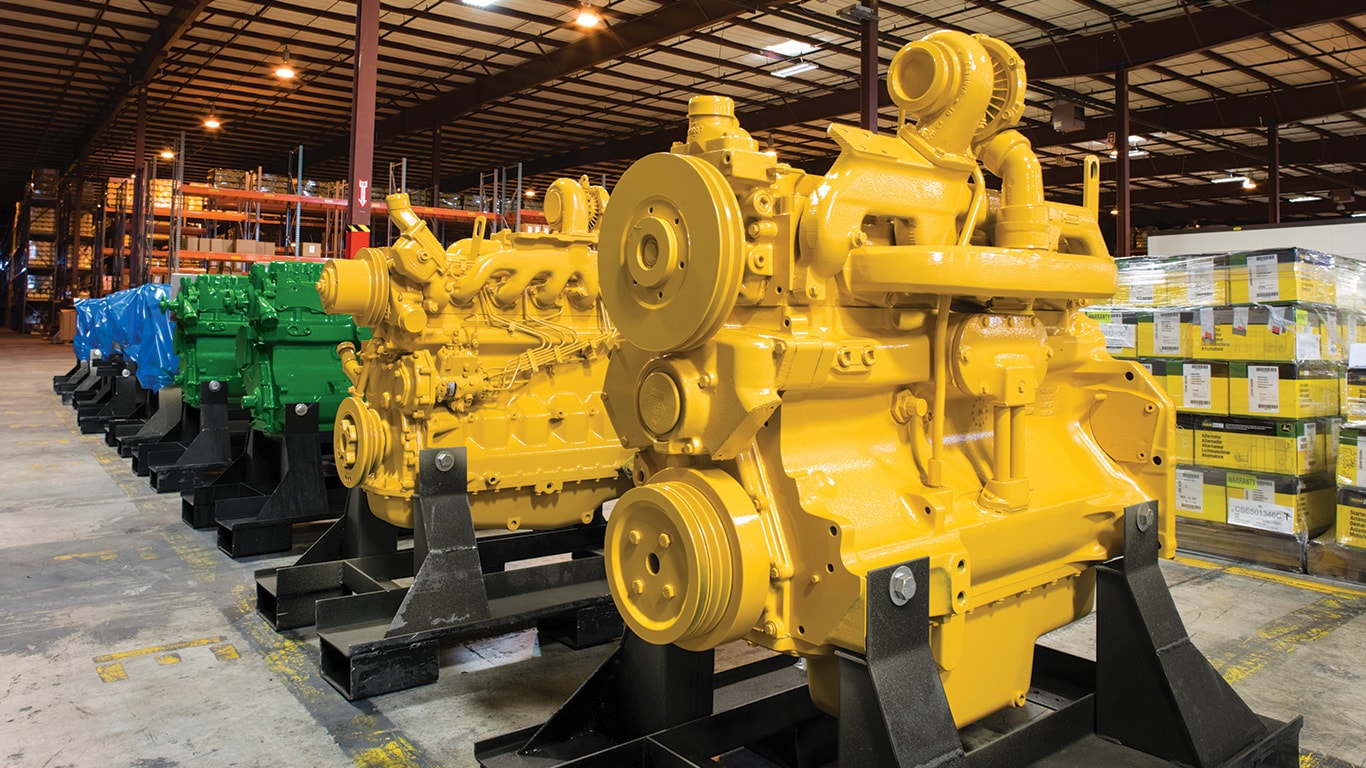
1275	334
1200	280
1283	390
1351	459
1281	275
1120	327
1353	393
1195	386
1275	446
1301	505
1201	493
1351	517
1141	282
1165	333
1185	438
311	250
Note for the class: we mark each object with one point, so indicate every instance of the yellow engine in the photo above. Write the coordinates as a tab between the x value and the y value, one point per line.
498	344
829	375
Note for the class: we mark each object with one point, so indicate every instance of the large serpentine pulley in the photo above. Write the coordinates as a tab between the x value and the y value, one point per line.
828	375
497	344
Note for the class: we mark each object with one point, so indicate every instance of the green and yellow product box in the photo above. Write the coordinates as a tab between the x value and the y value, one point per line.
1280	503
1200	280
1282	274
1141	282
1350	277
1185	438
1335	425
1354	394
1165	333
1283	390
1276	446
1201	493
1195	386
1351	522
1275	334
1120	328
1351	460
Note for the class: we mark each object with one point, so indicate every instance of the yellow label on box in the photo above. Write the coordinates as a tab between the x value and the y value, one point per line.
1185	440
1351	518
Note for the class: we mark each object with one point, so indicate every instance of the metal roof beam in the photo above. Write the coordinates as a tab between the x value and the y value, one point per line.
668	22
142	69
1347	149
1193	31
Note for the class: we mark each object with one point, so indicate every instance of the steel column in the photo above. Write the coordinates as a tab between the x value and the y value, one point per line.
362	121
135	253
436	166
870	87
1123	236
1273	176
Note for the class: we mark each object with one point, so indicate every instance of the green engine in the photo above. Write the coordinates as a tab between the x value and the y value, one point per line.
209	311
288	351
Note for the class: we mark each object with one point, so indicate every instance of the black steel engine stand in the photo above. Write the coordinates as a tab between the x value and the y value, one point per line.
209	452
81	387
126	400
67	381
163	408
381	637
98	388
1150	699
286	596
257	516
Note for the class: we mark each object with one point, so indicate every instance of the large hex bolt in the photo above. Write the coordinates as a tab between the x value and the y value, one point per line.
902	585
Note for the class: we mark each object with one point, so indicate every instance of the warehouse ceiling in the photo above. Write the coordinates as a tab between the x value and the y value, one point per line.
518	81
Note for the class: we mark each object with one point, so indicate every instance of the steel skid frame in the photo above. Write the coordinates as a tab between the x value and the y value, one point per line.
275	483
120	397
202	445
67	381
1150	698
93	383
161	415
377	637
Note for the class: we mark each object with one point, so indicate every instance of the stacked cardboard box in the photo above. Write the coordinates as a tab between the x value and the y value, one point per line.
1351	462
1251	347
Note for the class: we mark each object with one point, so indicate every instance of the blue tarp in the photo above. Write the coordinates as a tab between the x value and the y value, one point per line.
130	322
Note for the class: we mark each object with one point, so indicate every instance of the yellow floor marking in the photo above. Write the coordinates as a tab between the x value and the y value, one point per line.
111	673
168	658
202	563
104	554
225	652
1284	579
121	655
147	553
396	752
1287	634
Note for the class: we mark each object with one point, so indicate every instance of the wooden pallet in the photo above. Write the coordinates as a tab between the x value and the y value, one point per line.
1273	550
1329	559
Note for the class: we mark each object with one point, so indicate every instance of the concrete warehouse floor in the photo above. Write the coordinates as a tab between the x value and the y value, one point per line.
97	570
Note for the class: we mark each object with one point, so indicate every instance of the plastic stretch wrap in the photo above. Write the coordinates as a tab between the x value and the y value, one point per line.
148	337
1252	347
85	311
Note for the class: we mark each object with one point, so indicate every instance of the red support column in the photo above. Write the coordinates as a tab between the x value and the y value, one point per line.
1123	237
869	85
1273	176
362	125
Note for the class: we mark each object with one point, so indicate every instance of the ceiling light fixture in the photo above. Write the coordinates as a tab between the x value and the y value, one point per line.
167	154
285	71
790	48
588	16
1358	215
1249	184
530	193
480	3
1304	199
795	69
1229	179
212	123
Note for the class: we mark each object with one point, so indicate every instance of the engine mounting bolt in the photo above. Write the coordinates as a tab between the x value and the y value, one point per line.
445	460
902	585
